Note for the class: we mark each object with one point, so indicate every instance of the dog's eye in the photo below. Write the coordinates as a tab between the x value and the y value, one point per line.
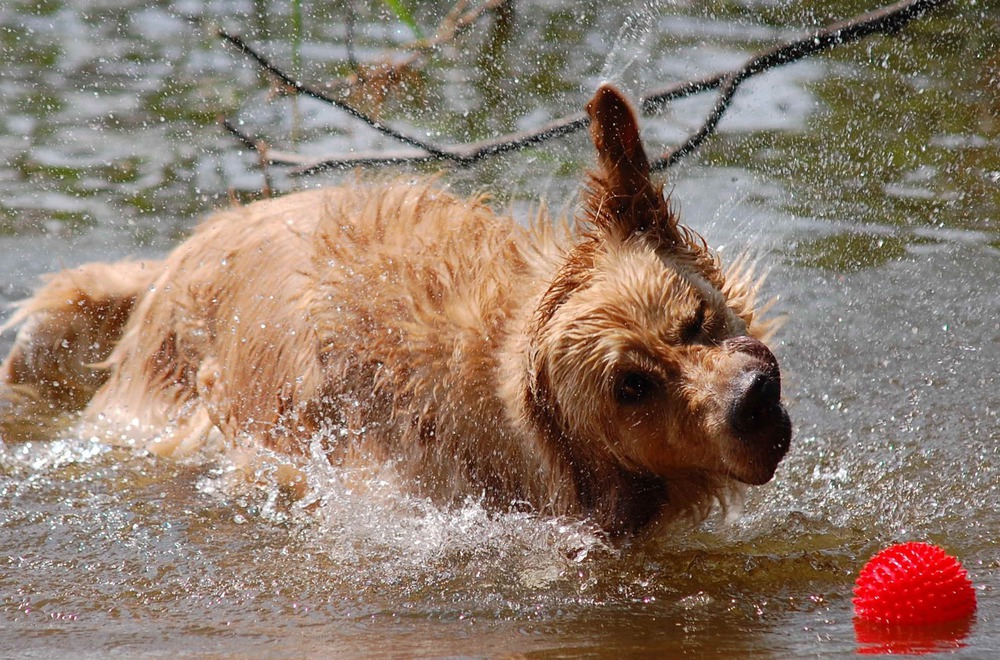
634	387
695	325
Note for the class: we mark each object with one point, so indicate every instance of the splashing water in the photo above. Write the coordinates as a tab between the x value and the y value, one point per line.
379	535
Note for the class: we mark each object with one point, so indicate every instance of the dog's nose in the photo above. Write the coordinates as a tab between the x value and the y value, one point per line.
756	402
755	349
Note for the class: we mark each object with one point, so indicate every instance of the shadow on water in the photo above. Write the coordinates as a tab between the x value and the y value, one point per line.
867	180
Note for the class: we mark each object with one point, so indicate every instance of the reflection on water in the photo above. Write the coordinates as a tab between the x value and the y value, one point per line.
867	180
912	640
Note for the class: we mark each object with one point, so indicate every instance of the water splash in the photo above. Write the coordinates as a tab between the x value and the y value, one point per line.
377	538
42	458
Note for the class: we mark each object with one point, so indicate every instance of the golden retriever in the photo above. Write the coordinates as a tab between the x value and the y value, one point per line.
606	369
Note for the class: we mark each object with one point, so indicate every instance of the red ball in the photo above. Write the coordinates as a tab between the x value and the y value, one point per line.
913	584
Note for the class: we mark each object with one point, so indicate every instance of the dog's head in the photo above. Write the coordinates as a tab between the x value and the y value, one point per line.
643	351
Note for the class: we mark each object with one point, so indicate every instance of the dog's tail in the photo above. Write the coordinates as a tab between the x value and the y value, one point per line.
68	329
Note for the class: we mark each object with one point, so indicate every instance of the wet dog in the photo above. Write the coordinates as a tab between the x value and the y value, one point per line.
607	369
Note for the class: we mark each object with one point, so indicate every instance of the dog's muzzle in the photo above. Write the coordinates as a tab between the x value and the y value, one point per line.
755	414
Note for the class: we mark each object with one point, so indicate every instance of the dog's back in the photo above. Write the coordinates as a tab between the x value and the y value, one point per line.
380	307
275	319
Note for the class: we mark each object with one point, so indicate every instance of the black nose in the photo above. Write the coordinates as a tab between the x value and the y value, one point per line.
756	402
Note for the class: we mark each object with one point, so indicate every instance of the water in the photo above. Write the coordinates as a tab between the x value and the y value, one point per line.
867	180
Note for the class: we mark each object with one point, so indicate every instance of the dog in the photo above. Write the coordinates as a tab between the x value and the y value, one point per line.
607	369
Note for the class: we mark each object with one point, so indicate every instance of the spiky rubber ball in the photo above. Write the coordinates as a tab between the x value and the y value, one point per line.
913	584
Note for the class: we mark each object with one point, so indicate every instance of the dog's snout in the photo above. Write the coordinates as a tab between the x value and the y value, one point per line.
755	349
756	401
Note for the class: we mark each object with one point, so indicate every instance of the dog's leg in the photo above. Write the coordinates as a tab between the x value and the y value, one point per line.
67	329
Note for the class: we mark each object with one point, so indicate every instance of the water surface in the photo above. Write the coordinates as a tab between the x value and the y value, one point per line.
867	181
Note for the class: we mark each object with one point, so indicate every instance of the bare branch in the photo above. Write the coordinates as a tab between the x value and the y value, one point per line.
886	20
465	154
247	141
312	92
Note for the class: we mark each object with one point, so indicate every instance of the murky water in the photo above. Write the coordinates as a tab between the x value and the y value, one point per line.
868	180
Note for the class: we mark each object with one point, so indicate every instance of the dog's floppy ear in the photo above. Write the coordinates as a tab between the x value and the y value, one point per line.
622	199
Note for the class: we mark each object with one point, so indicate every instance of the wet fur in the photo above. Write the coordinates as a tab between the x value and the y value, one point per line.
399	323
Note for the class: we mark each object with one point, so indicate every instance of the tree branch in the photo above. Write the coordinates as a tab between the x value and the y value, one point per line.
886	20
306	90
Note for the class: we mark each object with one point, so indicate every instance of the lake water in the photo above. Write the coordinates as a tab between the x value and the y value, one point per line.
867	180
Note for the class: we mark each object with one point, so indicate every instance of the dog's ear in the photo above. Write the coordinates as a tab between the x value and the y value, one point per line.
622	198
615	132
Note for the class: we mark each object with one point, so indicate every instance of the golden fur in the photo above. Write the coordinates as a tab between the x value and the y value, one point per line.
604	371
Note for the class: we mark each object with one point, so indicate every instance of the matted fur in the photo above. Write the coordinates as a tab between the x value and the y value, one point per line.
400	323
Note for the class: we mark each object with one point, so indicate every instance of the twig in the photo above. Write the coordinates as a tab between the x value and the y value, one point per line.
456	22
885	20
306	90
464	154
352	59
247	141
261	148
